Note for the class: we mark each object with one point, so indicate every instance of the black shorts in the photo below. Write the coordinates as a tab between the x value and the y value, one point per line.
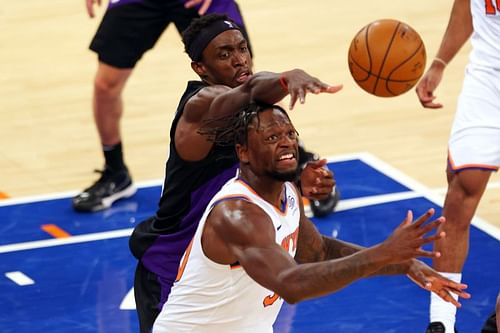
131	27
147	292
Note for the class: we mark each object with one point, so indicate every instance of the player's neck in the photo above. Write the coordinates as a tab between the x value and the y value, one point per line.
267	188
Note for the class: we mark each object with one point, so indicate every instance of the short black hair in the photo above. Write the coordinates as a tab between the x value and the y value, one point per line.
198	24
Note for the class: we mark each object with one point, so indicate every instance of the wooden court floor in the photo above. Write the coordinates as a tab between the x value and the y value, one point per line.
49	143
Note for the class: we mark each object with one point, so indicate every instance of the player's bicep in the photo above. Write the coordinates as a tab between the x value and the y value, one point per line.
266	264
229	102
190	144
197	107
250	236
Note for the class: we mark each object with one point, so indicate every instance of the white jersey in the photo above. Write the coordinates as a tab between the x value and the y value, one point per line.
475	133
486	36
210	297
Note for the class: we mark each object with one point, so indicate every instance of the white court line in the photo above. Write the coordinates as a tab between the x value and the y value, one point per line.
426	192
418	190
65	241
66	195
374	200
490	185
20	278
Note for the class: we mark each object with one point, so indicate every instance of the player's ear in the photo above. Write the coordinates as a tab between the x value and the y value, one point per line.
242	152
199	68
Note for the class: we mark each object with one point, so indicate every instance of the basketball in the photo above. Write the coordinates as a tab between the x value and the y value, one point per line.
387	58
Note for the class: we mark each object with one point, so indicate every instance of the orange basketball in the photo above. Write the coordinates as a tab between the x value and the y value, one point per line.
387	58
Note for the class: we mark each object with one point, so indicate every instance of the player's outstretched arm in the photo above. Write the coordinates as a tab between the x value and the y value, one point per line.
240	231
269	88
212	105
298	84
320	247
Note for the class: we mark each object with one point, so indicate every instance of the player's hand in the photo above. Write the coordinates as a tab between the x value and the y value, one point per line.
299	83
427	278
407	239
90	6
427	85
203	5
316	181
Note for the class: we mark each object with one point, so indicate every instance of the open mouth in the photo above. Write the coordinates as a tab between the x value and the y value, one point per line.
287	160
287	156
242	77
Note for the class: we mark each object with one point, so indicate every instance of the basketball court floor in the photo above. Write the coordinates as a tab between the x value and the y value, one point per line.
61	271
66	272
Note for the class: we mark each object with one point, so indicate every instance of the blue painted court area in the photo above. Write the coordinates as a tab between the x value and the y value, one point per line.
80	284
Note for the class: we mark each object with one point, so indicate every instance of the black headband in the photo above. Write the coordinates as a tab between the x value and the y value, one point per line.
208	33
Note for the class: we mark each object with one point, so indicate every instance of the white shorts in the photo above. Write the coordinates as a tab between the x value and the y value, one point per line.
475	135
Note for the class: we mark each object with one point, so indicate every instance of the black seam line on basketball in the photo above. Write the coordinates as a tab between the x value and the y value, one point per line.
368	51
397	67
381	77
368	71
363	69
385	57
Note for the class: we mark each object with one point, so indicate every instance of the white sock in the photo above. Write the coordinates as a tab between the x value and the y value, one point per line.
443	311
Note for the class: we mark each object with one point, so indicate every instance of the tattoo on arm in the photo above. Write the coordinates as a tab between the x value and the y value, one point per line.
334	248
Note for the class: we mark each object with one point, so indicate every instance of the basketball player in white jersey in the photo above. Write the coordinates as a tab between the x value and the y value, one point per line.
254	247
474	144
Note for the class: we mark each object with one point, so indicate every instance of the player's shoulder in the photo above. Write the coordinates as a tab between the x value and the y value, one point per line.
211	92
237	204
198	105
239	214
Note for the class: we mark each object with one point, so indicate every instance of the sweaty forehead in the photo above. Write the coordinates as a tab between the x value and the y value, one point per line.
272	118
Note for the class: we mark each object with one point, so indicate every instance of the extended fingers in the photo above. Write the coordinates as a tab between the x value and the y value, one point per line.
314	87
429	254
459	292
320	87
407	221
434	238
432	225
332	89
457	288
299	91
445	295
423	218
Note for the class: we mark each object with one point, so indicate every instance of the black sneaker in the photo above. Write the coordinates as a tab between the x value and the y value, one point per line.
110	187
436	327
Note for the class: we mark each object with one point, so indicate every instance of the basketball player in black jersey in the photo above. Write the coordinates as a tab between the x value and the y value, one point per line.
197	168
